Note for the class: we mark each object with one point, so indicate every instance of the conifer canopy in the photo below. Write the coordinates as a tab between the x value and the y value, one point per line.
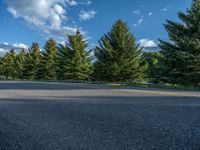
119	57
181	62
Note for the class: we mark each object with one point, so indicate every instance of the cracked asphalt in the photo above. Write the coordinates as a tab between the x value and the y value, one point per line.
72	116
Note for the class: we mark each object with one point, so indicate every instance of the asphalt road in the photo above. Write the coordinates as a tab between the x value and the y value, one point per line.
58	116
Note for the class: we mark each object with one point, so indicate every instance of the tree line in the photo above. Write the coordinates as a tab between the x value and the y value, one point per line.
116	58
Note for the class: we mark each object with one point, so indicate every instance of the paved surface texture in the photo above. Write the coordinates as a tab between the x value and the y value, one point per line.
58	116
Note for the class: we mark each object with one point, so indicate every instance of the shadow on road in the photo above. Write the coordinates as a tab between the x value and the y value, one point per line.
49	86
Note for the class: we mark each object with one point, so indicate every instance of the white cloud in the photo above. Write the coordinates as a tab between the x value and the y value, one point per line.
85	2
150	13
89	2
135	25
72	2
147	43
12	11
5	47
2	50
59	9
166	9
140	20
47	16
136	12
5	43
20	46
87	15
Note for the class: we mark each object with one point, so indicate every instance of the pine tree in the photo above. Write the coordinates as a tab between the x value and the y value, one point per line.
75	58
119	58
48	62
20	63
32	62
154	65
8	65
63	61
182	53
2	74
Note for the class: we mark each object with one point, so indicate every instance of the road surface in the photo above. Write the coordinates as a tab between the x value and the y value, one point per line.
66	116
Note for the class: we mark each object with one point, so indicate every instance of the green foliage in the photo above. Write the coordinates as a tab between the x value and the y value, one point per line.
154	65
8	65
63	59
75	59
20	64
119	58
32	62
182	54
48	66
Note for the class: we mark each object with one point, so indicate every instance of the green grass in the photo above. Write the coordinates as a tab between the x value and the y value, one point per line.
156	86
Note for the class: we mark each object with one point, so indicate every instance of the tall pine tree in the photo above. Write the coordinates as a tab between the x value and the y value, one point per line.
32	62
182	54
75	58
48	62
20	63
119	58
2	76
63	59
8	65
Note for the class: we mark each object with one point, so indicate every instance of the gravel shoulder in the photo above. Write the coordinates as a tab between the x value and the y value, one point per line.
56	90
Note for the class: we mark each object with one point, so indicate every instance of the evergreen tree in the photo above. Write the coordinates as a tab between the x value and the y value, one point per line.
3	67
119	58
2	74
20	63
182	54
154	65
8	65
32	62
48	63
63	60
75	58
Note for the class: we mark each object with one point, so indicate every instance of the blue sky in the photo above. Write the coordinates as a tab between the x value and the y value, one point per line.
27	21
